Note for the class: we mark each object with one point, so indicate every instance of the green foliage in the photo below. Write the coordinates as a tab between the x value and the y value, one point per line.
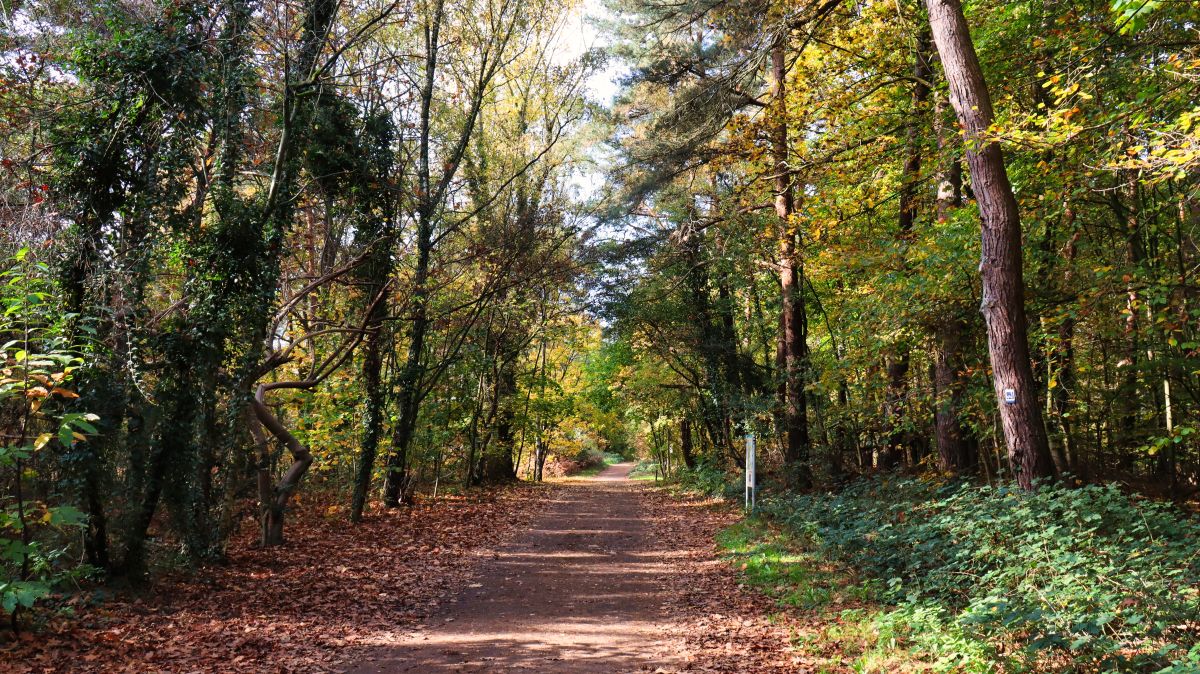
36	368
1132	15
778	563
708	480
1110	579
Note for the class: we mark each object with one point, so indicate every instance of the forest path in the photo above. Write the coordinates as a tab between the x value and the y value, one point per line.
581	591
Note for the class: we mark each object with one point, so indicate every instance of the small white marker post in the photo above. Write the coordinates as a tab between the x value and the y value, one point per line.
750	469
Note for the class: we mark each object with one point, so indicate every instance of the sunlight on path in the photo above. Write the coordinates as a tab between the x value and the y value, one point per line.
578	593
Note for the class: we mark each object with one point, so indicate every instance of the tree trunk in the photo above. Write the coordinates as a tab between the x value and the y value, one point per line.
273	496
373	413
895	401
715	404
1003	286
794	334
685	443
949	392
954	450
498	456
541	451
395	488
900	437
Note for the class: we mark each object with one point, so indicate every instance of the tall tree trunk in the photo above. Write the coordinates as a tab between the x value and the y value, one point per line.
685	443
717	377
396	483
373	410
794	333
408	401
1003	286
1135	254
376	274
949	329
1063	374
900	437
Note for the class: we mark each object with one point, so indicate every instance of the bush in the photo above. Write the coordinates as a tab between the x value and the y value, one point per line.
37	366
710	481
1110	579
584	460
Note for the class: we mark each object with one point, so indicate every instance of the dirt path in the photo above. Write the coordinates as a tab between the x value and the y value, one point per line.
582	591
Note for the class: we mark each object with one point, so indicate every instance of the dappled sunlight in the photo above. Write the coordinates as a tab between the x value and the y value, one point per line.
582	586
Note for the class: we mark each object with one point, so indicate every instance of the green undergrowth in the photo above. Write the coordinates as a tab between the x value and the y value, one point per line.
950	576
645	470
850	625
596	462
705	480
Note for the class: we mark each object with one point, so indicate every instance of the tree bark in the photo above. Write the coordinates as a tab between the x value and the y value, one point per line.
1003	285
1063	373
715	404
685	443
274	496
900	438
954	451
949	393
794	333
408	396
373	413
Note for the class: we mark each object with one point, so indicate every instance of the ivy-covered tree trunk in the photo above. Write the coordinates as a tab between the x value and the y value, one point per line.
376	274
395	487
374	406
1003	285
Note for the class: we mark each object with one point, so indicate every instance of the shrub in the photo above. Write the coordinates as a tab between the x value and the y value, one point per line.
36	371
1111	579
710	481
585	459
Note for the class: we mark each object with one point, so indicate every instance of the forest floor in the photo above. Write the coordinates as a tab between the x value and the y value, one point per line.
308	606
597	574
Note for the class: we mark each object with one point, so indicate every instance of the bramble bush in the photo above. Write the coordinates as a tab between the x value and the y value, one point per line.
1106	579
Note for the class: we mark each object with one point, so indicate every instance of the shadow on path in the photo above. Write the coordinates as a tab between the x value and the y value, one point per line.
579	592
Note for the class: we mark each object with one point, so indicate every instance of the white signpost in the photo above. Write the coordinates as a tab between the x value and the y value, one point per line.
750	469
